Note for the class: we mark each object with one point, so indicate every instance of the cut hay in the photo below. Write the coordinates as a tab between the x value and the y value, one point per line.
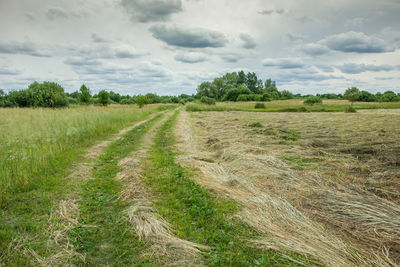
285	204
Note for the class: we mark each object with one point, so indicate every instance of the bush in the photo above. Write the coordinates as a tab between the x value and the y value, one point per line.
259	105
103	97
234	93
311	100
127	101
142	100
84	95
207	100
350	109
72	100
249	97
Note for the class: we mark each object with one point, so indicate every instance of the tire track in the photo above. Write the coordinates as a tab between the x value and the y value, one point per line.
166	248
66	216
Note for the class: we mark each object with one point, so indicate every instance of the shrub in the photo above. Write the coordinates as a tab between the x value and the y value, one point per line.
141	100
311	100
127	101
207	100
84	95
352	94
103	97
259	105
249	97
350	109
233	93
72	100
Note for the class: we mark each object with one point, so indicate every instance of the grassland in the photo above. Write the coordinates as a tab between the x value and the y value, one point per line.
294	105
39	148
327	184
180	188
37	143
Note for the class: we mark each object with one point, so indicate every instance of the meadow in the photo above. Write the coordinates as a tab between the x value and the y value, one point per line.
320	184
163	186
35	141
291	105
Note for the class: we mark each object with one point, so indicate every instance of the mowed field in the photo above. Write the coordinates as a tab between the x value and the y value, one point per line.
162	186
322	184
293	105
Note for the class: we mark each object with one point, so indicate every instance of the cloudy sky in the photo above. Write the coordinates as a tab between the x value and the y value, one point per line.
170	46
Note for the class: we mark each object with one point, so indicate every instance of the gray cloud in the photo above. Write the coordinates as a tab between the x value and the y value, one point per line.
151	10
25	48
326	68
231	58
271	11
190	57
29	16
383	78
56	13
352	68
314	49
283	63
126	51
98	39
81	61
248	42
7	71
356	42
188	37
294	37
105	52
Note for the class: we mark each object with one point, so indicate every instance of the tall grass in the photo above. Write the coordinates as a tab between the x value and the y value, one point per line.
34	142
293	105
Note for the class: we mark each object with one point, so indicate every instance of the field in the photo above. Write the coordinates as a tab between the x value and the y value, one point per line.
293	105
162	186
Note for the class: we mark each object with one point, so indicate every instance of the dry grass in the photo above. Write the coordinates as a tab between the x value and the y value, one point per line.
166	248
310	203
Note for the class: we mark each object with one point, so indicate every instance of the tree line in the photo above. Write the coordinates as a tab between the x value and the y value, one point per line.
52	95
238	86
234	86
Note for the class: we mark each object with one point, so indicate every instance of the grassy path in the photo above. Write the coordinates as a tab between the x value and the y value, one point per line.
199	216
34	224
108	238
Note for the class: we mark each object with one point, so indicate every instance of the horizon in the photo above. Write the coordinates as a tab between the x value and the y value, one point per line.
169	47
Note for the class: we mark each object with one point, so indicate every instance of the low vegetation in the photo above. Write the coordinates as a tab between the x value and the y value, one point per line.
37	144
199	216
207	100
309	170
293	105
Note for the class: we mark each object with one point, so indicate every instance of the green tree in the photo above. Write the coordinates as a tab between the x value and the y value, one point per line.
366	96
207	100
84	95
141	100
352	94
241	78
311	100
252	82
233	93
389	96
104	97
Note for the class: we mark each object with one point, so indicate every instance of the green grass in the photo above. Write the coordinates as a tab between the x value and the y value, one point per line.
113	240
302	163
37	144
293	105
40	176
199	216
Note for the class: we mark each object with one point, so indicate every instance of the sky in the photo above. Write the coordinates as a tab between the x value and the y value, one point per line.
169	47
